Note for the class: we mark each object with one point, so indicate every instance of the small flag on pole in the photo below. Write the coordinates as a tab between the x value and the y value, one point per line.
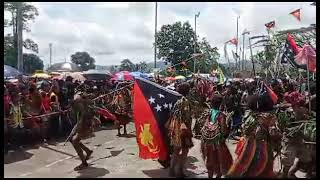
296	14
270	25
234	41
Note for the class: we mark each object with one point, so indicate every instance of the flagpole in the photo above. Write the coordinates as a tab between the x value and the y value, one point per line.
308	82
237	42
252	61
155	36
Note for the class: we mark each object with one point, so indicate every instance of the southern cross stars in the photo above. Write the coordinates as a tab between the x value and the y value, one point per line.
158	107
165	105
151	100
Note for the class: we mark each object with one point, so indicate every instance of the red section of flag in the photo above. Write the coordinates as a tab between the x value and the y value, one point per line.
272	95
150	141
234	41
307	55
270	24
293	44
106	114
296	14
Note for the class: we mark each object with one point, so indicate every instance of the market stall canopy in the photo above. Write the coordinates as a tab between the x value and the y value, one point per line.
10	72
93	74
64	67
41	74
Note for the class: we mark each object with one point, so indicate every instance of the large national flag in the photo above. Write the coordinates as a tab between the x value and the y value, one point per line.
151	108
307	55
296	14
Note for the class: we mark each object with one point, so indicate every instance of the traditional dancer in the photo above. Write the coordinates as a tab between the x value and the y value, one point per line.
122	110
83	113
255	158
214	151
180	133
292	144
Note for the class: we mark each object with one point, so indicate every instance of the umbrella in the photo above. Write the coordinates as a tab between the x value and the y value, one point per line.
10	72
93	74
41	74
123	75
180	77
139	74
64	67
53	74
170	78
76	76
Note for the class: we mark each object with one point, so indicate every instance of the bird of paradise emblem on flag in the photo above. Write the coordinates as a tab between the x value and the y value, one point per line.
146	138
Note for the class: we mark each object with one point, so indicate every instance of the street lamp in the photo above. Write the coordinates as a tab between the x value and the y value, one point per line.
195	39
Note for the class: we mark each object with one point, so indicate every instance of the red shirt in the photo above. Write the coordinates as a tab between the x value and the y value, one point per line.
7	100
46	103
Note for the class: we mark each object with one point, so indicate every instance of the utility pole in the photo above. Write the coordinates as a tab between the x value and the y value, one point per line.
155	36
253	68
237	66
243	48
50	48
195	40
20	39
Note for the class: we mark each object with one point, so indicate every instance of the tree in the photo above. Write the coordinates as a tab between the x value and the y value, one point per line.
142	67
127	65
113	69
84	60
209	57
29	12
32	63
175	43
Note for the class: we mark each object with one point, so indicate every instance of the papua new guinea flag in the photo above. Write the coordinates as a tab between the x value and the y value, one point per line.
151	110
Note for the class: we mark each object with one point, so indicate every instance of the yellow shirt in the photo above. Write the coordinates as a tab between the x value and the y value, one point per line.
17	116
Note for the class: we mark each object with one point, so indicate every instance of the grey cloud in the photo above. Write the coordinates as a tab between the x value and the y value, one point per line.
111	32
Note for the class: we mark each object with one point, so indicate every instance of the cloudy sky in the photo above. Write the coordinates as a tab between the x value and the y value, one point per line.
112	31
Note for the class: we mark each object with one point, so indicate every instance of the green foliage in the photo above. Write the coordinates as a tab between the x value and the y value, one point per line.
32	63
84	60
127	65
268	57
142	67
113	69
209	58
175	44
10	58
29	13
